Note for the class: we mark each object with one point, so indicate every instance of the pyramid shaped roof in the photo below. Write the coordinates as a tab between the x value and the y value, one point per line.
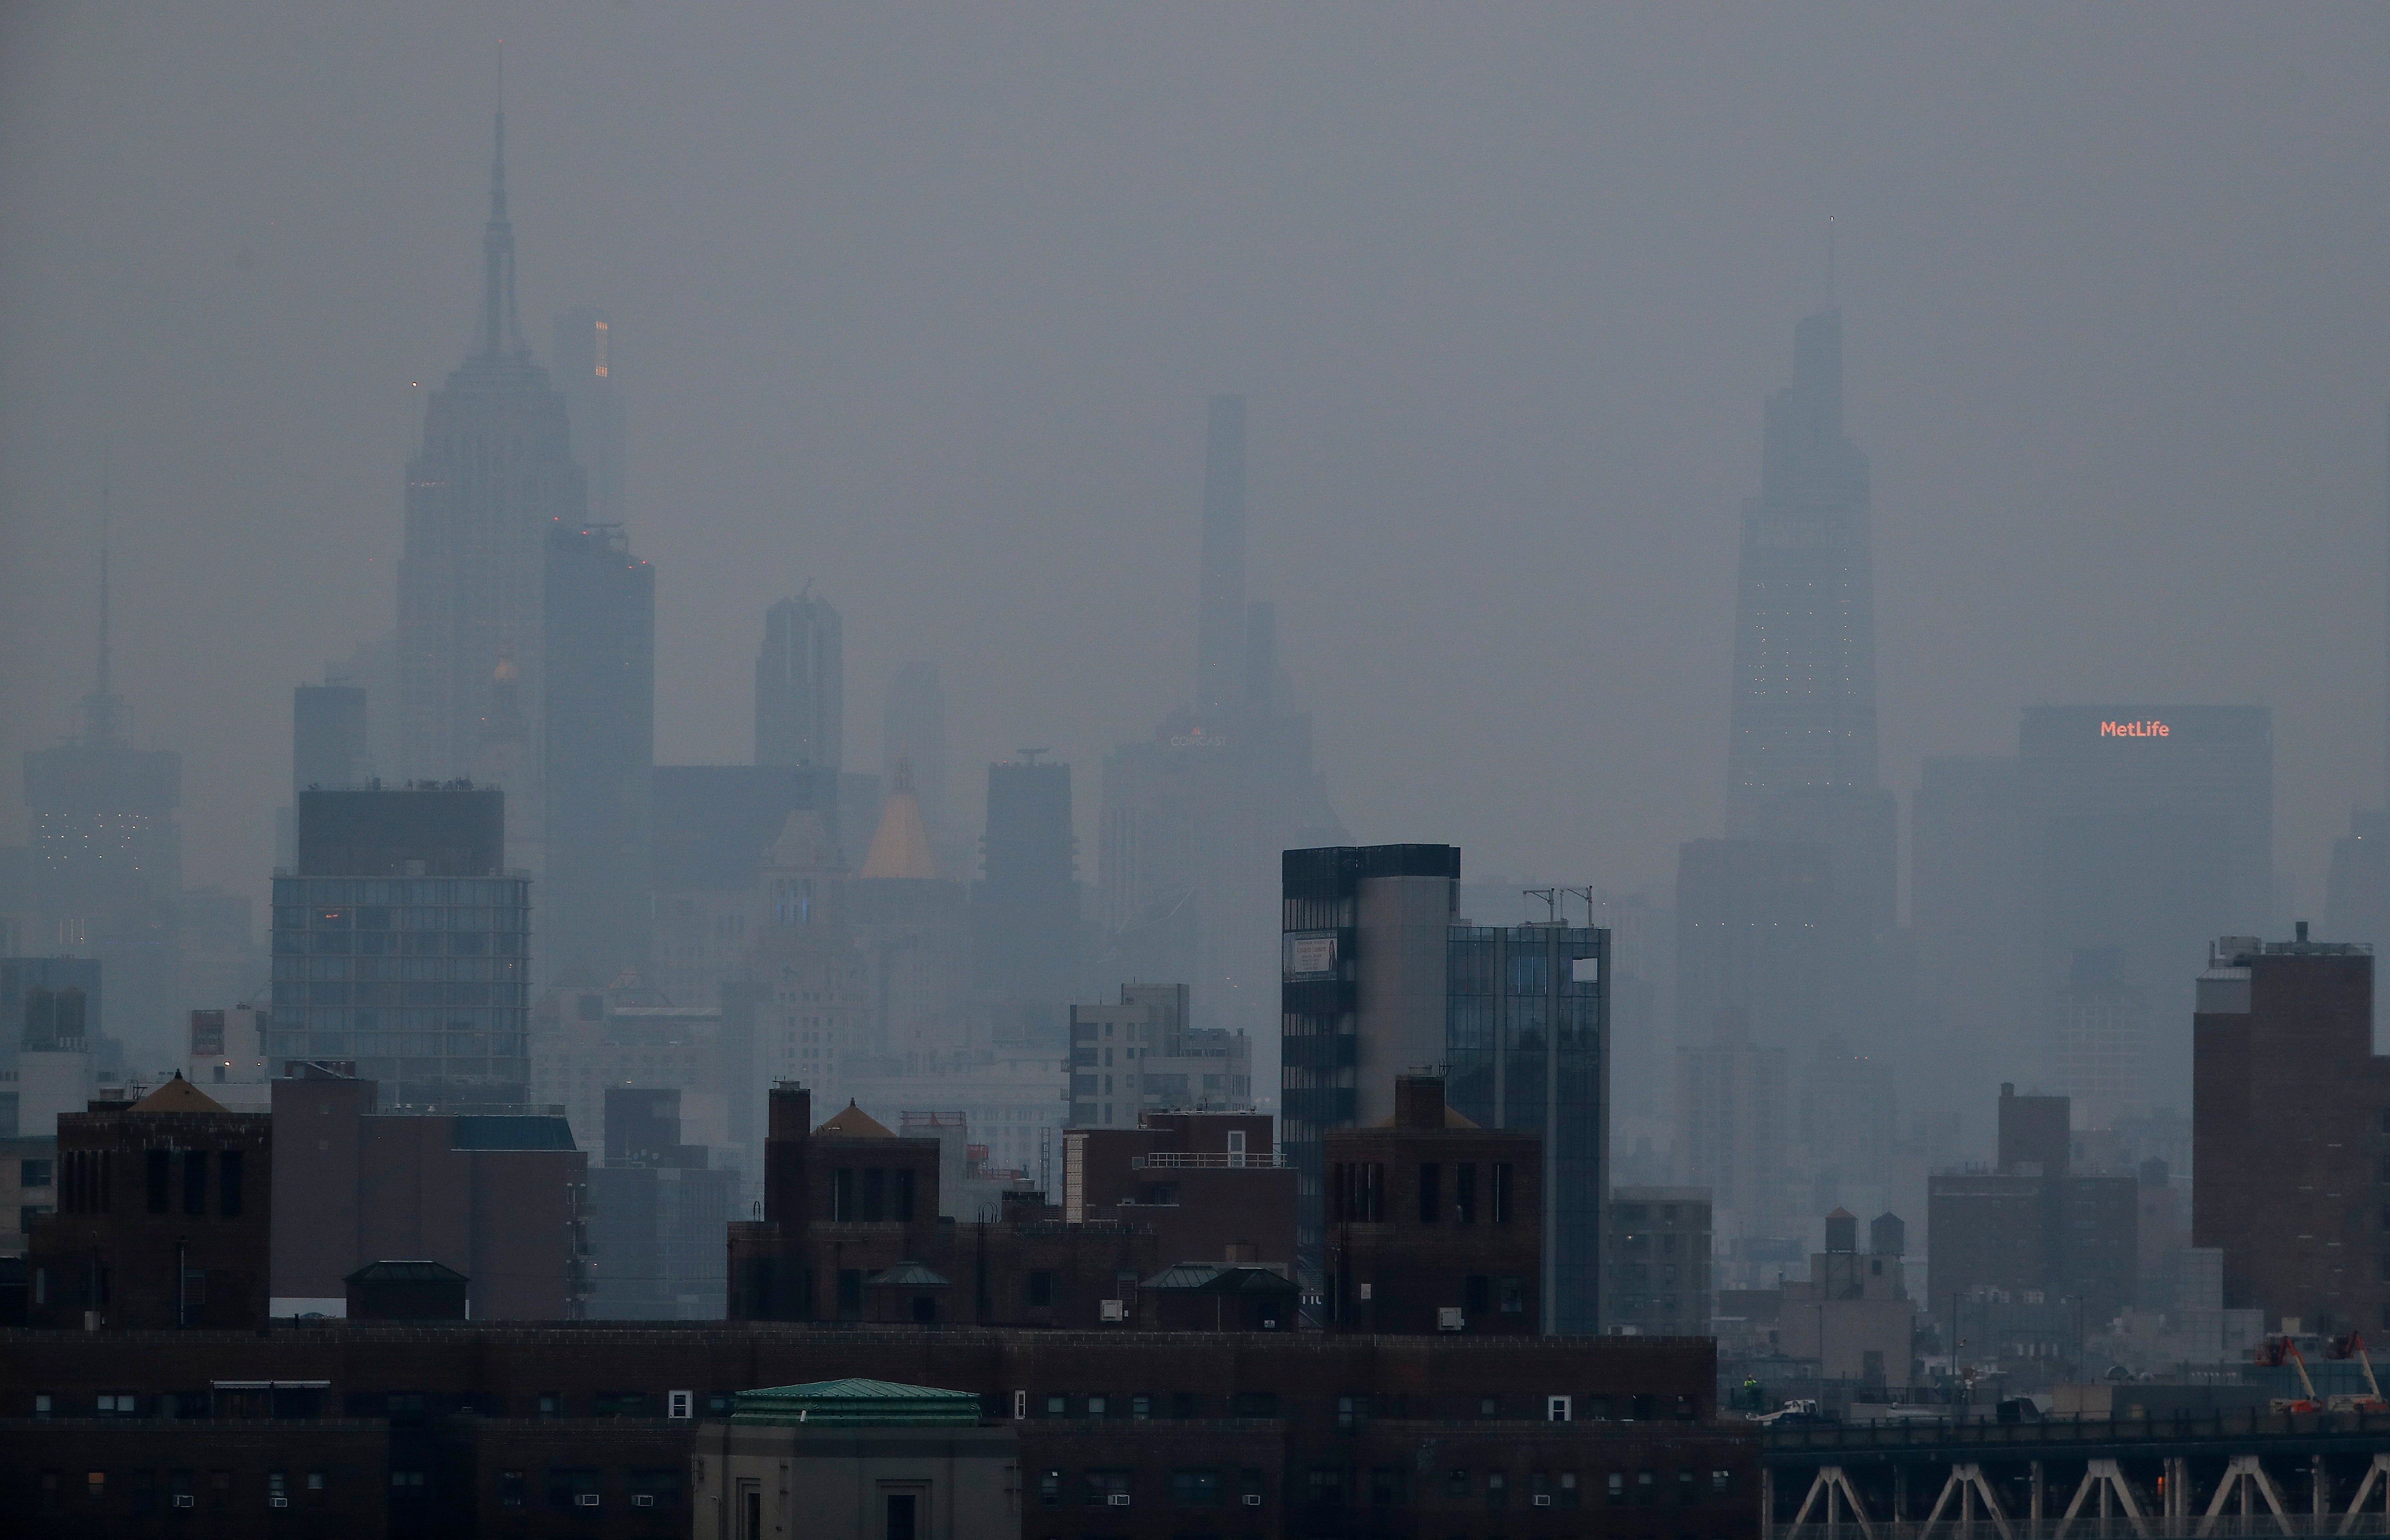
900	847
853	1123
178	1096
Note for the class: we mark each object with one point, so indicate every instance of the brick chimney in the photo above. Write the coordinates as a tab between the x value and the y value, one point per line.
1418	1101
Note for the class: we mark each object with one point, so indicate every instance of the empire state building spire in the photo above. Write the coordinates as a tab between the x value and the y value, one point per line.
501	325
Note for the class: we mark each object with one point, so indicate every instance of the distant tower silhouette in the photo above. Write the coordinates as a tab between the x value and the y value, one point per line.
801	685
495	475
106	854
1803	708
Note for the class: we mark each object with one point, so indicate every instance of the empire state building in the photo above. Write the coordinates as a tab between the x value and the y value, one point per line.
493	477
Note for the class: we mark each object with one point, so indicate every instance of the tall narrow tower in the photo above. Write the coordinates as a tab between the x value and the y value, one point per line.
1804	710
1221	621
493	477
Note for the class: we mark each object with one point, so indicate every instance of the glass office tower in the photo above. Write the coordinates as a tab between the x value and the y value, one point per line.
402	945
1526	1025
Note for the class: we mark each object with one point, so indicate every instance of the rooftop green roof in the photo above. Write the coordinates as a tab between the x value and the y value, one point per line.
857	1404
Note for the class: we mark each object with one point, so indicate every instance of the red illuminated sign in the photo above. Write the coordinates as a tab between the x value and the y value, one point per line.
2134	729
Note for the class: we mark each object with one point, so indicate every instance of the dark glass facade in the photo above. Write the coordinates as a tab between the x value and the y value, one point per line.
1526	1031
422	981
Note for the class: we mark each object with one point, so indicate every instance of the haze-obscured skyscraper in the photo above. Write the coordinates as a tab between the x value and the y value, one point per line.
328	736
495	475
1966	902
1025	916
801	685
401	943
2147	831
1195	818
600	739
106	858
592	396
1804	708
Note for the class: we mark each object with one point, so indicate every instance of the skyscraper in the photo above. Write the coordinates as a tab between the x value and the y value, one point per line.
495	475
1526	1038
801	685
328	736
2146	829
1361	987
1220	625
592	396
403	944
106	860
1025	916
599	733
1803	708
1195	818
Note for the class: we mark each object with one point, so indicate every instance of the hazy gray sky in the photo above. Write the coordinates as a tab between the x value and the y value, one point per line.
922	305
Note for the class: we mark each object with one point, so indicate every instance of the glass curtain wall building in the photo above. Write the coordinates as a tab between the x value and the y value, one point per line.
401	947
1526	1031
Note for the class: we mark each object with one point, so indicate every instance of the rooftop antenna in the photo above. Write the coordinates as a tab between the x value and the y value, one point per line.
1552	897
1586	893
1029	756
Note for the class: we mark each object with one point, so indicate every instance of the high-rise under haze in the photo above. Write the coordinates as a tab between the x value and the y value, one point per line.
1025	916
107	857
1804	707
401	944
600	735
801	685
495	475
594	404
1195	818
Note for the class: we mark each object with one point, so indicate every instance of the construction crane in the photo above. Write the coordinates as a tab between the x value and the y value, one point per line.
2353	1346
2270	1354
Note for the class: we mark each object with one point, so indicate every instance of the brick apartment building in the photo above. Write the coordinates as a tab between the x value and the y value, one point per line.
505	1430
2291	1131
1434	1224
163	1208
495	1197
852	1231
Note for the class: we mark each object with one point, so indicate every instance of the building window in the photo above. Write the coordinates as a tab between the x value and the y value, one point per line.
34	1174
1477	1294
1049	1489
511	1488
1102	1486
1513	1295
1197	1488
156	1179
1464	1192
1455	1481
1501	1195
1497	1489
230	1174
1430	1196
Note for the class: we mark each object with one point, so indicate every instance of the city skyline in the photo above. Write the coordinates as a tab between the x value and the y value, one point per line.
1115	486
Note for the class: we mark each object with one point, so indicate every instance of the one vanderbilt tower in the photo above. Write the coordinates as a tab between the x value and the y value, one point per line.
493	477
1804	711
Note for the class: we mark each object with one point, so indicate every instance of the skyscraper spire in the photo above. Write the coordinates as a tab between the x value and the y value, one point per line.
501	326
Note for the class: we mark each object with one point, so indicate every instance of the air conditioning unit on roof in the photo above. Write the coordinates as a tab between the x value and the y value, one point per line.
1252	1499
585	1499
1117	1499
1112	1310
